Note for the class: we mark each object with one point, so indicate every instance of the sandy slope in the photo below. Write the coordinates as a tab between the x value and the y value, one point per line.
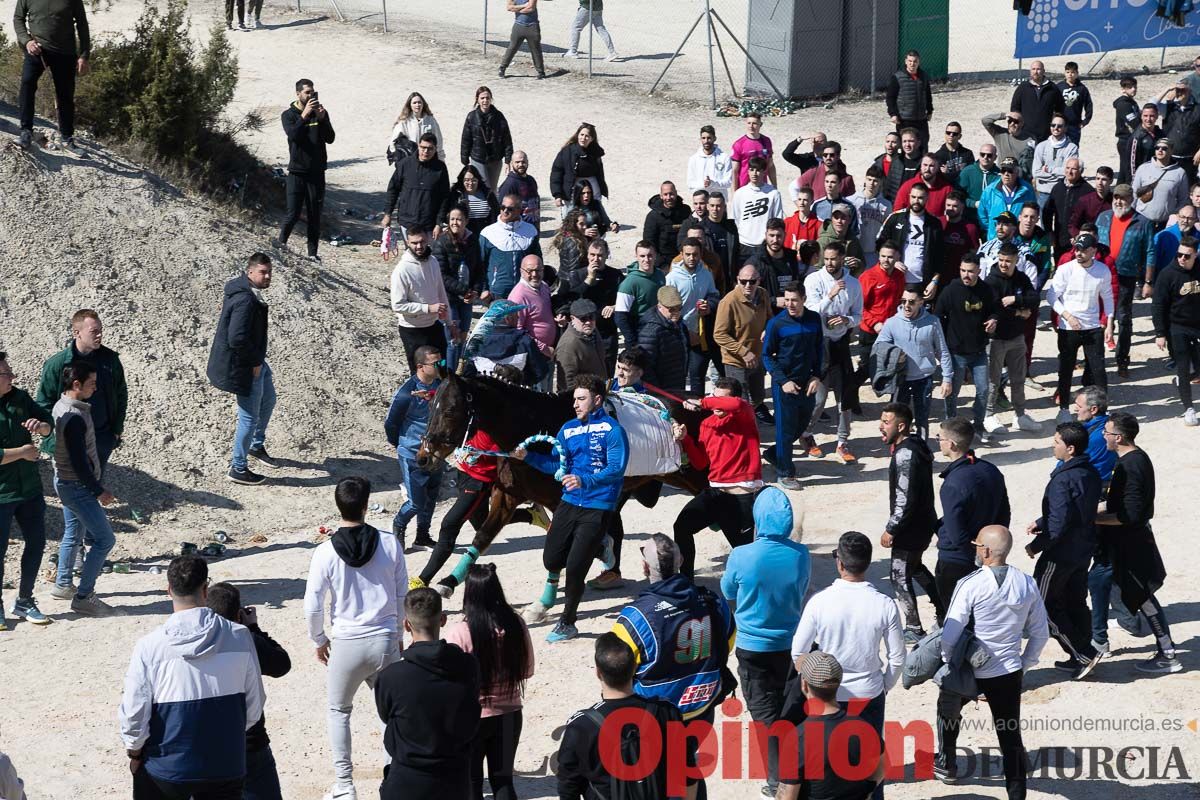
336	362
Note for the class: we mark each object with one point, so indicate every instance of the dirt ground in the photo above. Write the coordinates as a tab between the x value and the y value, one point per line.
153	260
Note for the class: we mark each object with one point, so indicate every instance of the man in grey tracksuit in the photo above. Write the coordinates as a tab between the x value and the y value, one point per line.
919	334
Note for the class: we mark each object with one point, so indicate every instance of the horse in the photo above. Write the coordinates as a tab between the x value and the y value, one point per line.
510	414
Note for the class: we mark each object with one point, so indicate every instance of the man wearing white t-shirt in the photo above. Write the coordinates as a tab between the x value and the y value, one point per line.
918	235
363	575
1079	292
754	204
850	620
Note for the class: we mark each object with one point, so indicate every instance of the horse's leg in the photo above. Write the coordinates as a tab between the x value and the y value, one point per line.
500	511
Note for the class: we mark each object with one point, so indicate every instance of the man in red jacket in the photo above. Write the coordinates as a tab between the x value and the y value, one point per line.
729	448
882	286
931	175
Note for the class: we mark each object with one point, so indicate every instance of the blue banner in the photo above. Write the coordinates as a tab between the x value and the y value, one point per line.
1078	27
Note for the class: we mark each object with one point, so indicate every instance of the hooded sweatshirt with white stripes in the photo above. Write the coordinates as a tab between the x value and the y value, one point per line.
192	691
1007	607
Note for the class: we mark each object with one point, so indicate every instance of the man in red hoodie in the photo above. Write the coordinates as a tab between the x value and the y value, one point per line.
931	175
729	448
882	286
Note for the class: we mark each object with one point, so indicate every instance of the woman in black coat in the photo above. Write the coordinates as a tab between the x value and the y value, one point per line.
581	157
585	199
458	254
486	140
471	193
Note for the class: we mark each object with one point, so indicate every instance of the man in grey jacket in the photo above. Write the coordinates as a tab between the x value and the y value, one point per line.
1165	180
919	334
77	476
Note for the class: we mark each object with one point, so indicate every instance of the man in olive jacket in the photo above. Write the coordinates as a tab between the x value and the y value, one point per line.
109	403
46	32
237	363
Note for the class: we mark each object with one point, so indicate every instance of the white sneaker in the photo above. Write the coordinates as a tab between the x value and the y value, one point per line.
1024	422
613	57
1189	418
571	54
342	793
993	425
1064	415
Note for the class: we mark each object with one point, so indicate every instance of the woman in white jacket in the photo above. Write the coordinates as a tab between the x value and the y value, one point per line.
416	119
1050	158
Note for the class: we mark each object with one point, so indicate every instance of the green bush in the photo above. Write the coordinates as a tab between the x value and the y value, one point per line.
161	98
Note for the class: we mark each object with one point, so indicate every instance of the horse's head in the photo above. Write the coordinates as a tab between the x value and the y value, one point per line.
449	417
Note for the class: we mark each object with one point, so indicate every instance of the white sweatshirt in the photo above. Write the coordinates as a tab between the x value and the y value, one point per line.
414	128
850	620
752	207
416	285
848	303
1004	614
363	601
715	166
1081	293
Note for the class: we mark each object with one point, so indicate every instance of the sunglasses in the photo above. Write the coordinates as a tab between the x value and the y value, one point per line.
954	133
987	155
747	281
1007	170
1161	149
1012	121
1186	255
1054	125
512	209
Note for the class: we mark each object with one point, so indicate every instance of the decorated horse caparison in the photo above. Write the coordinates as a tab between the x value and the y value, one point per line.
510	414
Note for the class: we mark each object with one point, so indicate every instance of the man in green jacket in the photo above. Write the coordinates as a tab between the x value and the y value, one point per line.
978	176
21	489
638	292
112	395
46	32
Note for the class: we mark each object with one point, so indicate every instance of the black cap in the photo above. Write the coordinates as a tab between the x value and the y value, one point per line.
1006	216
1085	240
583	308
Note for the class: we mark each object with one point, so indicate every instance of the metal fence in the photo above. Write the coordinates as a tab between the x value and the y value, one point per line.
717	49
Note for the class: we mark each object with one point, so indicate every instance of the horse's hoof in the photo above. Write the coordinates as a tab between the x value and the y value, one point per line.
535	613
445	588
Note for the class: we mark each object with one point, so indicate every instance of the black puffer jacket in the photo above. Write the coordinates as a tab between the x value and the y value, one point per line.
240	343
574	162
666	346
486	137
461	263
417	191
662	229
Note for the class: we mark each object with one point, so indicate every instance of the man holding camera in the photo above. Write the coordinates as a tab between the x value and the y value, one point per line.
306	123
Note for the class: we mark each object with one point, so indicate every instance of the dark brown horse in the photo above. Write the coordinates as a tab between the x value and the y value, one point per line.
510	414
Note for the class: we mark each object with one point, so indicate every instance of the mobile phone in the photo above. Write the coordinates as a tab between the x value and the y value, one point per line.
315	97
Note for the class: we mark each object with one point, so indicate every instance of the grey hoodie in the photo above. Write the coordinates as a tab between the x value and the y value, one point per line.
1170	193
922	341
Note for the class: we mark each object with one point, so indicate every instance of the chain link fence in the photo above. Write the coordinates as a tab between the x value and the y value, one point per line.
713	50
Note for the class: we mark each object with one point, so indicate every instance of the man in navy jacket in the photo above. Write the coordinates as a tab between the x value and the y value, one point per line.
793	344
596	454
1065	536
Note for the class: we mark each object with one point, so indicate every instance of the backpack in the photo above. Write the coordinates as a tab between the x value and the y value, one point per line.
401	148
651	787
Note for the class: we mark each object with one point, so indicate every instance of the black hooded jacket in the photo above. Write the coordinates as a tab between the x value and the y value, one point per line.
240	343
486	137
428	699
574	162
662	229
306	141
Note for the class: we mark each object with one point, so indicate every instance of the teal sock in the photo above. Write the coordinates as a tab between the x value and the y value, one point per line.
550	590
464	564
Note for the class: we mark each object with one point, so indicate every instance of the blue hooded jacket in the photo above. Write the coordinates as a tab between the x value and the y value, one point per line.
766	581
597	453
1098	454
408	417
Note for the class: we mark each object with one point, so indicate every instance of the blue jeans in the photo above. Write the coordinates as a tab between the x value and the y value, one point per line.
422	488
81	508
30	514
793	412
978	365
254	414
916	394
1100	587
262	778
460	313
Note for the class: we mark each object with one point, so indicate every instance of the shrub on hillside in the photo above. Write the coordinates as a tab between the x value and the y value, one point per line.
161	96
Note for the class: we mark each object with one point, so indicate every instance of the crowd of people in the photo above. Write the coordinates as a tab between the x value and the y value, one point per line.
927	271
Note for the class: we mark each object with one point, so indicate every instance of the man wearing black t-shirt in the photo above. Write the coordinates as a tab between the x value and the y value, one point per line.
582	771
819	742
967	309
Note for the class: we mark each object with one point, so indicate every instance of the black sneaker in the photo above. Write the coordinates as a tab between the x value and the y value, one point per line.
313	257
1068	665
422	543
245	476
262	455
25	141
1086	668
278	243
768	455
71	146
945	768
501	72
763	415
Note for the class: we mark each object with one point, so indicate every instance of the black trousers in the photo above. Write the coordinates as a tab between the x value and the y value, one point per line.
146	787
30	514
1185	343
471	504
1064	593
412	338
241	9
1004	699
62	69
496	743
907	567
764	679
1126	288
572	543
946	575
733	513
307	193
1069	342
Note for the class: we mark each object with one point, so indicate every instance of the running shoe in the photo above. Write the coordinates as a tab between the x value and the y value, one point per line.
992	424
1160	664
844	455
25	608
791	484
92	606
1027	423
1190	419
945	768
415	583
562	632
67	592
813	449
609	579
1087	668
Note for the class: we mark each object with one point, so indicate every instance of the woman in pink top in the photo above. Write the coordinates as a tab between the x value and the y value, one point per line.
500	641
